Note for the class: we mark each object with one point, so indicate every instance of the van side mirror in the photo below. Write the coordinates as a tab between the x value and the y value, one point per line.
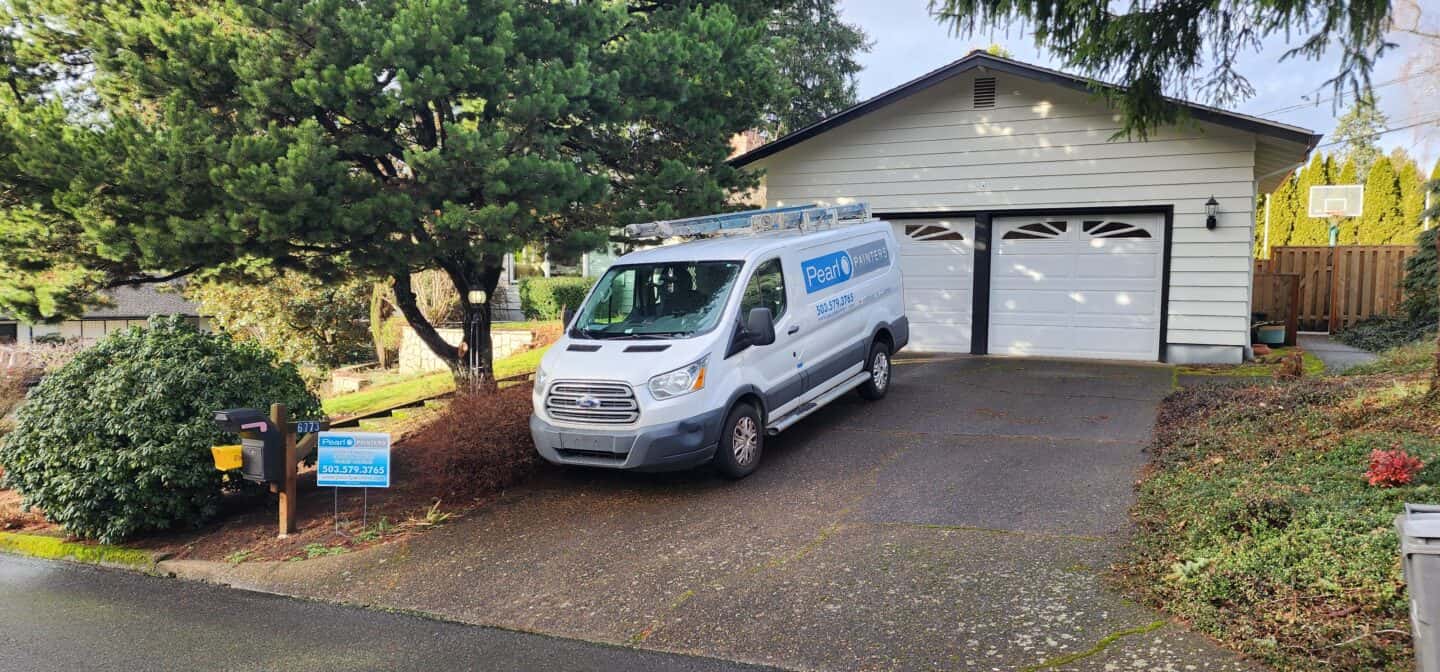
760	326
567	315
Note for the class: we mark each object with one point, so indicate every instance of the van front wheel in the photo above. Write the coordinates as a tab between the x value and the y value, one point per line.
879	367
742	439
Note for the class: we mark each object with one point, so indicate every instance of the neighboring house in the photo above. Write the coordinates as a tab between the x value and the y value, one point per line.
1025	229
128	306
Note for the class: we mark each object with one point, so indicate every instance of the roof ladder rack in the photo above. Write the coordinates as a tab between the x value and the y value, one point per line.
800	217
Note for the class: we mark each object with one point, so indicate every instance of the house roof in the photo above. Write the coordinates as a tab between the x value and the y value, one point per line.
142	302
980	59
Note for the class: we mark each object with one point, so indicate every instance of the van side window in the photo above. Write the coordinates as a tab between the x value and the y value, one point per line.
766	289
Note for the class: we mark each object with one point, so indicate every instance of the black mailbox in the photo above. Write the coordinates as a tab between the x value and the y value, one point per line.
262	444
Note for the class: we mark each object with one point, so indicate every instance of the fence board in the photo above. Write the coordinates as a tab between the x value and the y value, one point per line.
1339	286
1277	295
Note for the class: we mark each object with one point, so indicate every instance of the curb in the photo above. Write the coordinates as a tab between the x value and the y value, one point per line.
56	548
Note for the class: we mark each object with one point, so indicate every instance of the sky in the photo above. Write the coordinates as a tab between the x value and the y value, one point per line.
907	43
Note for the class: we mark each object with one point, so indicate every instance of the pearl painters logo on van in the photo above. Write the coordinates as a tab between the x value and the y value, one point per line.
838	267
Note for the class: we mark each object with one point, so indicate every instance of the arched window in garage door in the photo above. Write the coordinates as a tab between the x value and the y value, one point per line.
1100	228
1037	231
928	232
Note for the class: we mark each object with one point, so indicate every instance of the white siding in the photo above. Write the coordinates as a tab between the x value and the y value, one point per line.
1045	146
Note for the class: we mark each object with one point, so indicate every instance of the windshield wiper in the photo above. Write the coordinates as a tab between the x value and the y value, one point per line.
602	336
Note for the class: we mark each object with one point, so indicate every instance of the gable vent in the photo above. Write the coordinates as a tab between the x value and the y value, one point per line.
984	92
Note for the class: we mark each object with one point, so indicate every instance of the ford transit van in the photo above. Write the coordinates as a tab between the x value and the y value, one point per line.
692	353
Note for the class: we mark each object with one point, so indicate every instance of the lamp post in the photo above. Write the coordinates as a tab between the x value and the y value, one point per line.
476	298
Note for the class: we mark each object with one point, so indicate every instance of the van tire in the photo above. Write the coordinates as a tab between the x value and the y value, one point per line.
878	365
743	426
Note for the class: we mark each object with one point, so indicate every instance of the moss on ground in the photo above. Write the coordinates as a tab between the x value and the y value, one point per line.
1264	367
1255	523
55	548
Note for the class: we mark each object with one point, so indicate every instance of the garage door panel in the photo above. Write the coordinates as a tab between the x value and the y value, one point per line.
938	262
1107	266
938	300
1077	287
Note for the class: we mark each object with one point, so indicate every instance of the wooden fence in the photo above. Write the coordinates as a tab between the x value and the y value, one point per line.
1278	296
1337	285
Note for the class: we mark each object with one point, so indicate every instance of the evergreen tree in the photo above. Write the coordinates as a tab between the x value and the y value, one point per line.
1412	197
814	53
1357	130
1184	46
342	138
1382	221
1309	230
1282	213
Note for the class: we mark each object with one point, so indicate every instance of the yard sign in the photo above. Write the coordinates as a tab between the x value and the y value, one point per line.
353	460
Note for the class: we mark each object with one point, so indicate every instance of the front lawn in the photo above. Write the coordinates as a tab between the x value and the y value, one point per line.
421	387
1256	525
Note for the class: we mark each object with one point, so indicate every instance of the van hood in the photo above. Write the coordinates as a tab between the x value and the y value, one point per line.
631	361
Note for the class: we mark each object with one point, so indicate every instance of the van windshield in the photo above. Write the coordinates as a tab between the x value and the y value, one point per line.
660	300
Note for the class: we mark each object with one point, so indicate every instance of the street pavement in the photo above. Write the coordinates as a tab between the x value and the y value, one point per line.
72	618
966	522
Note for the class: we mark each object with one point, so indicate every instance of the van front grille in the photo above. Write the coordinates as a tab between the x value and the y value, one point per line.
592	402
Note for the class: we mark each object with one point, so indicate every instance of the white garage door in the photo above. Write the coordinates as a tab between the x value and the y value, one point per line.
1082	286
937	258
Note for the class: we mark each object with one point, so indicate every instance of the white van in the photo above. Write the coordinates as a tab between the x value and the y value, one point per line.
693	352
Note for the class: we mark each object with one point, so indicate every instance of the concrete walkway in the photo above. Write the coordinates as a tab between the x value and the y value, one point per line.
965	522
1337	356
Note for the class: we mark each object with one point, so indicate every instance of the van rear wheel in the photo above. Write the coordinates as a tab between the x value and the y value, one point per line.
879	367
742	440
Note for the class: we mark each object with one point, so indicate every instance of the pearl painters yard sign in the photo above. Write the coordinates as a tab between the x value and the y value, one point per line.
353	460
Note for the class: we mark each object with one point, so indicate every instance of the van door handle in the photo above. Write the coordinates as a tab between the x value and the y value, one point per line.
792	330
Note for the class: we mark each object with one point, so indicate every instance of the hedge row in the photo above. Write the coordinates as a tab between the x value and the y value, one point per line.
547	298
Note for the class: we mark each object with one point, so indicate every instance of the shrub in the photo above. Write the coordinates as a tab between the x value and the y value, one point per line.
1392	468
546	298
1421	298
478	445
117	442
1383	332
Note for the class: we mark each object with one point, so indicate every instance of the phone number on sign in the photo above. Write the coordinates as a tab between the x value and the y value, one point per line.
351	469
828	308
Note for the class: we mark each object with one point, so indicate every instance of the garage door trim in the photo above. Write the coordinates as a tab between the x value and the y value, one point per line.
980	296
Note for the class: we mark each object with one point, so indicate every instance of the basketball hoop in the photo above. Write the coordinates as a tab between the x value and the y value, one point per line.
1334	203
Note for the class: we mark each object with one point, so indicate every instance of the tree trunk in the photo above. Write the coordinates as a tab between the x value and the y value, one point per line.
471	362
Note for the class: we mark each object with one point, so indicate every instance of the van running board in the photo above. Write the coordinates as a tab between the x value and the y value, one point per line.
809	407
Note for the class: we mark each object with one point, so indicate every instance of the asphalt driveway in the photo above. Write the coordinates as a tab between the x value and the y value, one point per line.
963	523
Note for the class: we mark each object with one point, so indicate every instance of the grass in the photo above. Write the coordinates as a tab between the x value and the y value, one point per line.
1255	523
1417	357
421	387
1260	368
55	548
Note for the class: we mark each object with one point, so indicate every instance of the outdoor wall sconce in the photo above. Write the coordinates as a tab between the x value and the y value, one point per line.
1212	211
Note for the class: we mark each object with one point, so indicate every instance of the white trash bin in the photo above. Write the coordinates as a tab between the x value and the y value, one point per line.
1419	530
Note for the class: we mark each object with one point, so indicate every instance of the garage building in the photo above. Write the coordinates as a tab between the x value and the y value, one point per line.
1027	228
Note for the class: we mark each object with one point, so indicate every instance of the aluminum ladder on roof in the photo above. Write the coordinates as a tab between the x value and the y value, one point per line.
802	217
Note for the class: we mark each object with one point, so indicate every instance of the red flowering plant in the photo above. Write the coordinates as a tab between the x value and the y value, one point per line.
1391	468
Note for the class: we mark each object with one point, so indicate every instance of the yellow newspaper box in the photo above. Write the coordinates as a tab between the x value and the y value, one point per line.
227	457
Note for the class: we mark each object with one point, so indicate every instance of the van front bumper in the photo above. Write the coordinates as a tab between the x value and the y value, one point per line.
673	445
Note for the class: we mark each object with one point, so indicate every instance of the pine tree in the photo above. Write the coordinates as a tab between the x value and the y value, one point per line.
370	139
1357	130
1382	222
814	53
1309	230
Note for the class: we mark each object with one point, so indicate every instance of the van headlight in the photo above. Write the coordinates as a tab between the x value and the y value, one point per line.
541	376
683	380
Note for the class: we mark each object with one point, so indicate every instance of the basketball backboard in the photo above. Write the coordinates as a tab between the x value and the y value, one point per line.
1341	200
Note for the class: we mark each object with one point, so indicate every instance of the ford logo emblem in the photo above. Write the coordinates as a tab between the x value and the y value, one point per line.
587	401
